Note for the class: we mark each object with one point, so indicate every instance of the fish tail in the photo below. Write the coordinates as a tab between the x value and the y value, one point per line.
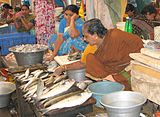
44	111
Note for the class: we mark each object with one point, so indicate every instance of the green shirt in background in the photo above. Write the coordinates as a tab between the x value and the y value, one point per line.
30	18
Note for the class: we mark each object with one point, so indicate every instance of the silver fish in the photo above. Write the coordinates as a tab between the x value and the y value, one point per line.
58	89
59	78
57	99
21	76
40	87
27	73
69	102
30	82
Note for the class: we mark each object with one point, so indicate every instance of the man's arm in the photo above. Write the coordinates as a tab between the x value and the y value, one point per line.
72	66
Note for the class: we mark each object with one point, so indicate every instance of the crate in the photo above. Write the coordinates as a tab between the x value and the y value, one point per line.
8	29
149	86
13	39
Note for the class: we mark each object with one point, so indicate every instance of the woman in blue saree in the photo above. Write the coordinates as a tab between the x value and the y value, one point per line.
69	33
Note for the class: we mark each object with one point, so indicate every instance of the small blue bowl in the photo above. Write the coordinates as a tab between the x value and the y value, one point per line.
99	89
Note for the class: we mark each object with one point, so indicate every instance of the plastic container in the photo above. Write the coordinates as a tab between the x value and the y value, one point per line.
13	39
100	89
123	103
7	29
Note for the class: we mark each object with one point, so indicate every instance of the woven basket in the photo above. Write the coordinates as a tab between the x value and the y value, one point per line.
147	85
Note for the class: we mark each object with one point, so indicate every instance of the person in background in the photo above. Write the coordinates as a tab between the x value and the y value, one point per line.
111	56
17	9
143	25
24	22
69	36
6	13
130	11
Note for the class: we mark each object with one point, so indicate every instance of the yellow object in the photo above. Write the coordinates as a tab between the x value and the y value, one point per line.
5	1
89	49
81	10
123	8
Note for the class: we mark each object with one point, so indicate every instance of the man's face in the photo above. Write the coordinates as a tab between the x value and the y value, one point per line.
88	37
5	10
150	16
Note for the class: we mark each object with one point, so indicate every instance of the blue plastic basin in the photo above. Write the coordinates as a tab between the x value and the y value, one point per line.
99	89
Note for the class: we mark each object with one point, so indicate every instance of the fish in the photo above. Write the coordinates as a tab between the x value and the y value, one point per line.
44	76
59	78
57	99
30	82
69	102
31	92
49	80
40	87
28	79
21	76
57	89
27	73
28	48
37	74
34	72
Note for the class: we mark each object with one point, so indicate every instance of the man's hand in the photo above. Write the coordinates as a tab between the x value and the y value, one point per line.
59	70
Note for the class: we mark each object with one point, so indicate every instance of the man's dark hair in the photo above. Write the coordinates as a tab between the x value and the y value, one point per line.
130	7
6	6
94	26
17	9
73	8
148	9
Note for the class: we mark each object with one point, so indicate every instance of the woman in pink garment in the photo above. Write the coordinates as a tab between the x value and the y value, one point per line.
44	20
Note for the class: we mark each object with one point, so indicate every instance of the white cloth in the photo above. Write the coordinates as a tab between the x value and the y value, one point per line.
102	13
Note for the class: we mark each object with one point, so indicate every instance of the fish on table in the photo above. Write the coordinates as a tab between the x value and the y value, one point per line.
60	88
72	101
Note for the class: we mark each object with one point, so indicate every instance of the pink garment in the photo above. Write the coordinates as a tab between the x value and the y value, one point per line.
45	24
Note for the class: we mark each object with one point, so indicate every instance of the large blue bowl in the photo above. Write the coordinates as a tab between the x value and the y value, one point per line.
99	89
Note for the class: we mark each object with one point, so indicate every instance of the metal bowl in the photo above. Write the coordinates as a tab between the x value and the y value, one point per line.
30	56
123	103
77	75
6	88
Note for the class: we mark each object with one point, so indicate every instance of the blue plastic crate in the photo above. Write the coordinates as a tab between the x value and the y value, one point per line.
8	29
13	39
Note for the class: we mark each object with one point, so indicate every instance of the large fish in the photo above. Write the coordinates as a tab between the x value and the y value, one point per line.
59	98
69	102
40	87
58	89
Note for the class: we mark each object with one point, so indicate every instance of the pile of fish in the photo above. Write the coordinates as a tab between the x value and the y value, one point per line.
28	48
49	92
